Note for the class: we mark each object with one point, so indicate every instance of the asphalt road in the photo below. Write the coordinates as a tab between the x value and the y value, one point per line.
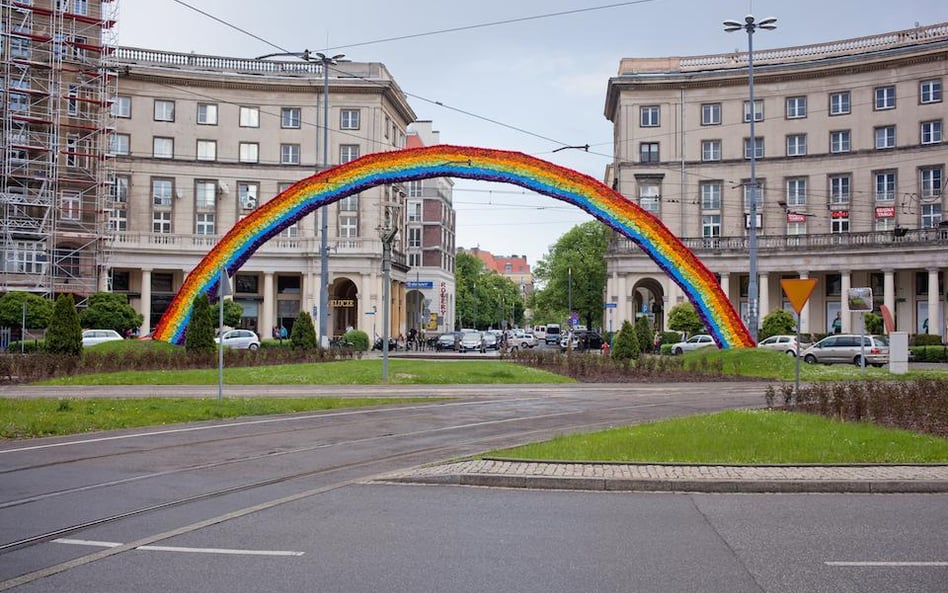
299	504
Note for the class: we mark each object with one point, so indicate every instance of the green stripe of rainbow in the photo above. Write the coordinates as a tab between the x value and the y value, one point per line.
607	205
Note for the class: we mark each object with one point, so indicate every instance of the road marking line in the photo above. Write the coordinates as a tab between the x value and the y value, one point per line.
98	544
886	564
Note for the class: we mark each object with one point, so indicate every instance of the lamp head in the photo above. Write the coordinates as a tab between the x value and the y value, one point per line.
769	23
731	26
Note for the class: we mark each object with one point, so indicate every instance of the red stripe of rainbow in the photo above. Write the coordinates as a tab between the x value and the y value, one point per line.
607	205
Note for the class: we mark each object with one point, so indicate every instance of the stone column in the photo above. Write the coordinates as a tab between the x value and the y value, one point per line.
845	284
764	308
267	312
146	301
726	284
888	294
622	305
934	305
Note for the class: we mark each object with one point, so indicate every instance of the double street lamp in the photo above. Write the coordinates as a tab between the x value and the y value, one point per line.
750	25
326	62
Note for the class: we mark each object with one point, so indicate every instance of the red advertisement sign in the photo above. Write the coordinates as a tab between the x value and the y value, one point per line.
885	212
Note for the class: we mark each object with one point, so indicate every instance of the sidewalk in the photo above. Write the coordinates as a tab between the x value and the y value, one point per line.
682	478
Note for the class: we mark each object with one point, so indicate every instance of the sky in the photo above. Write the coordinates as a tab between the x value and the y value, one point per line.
524	75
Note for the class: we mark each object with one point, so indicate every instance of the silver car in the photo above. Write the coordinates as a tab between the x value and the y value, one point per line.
240	339
91	337
785	344
848	349
693	343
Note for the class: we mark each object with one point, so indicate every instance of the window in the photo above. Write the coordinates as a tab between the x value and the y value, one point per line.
758	110
161	222
711	225
349	119
885	186
206	150
249	117
348	226
80	7
72	149
249	152
884	97
931	132
19	46
290	117
930	215
930	182
164	110
839	186
796	107
414	237
70	205
649	196
746	190
119	144
885	137
796	191
414	260
758	147
648	152
247	194
929	91
415	189
118	220
796	145
204	223
118	189
840	141
348	152
205	194
161	189
711	150
883	224
414	211
839	222
840	103
289	154
796	226
349	204
72	105
711	114
207	114
162	148
649	116
711	195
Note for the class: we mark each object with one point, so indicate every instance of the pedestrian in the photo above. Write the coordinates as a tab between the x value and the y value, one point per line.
837	324
657	342
282	333
275	332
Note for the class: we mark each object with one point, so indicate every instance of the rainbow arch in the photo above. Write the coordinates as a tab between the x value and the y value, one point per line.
699	285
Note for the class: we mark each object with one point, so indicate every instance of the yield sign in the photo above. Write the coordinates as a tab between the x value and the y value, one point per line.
798	290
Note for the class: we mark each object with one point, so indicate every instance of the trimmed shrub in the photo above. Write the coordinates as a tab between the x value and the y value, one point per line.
64	335
777	322
303	336
358	340
199	336
644	334
626	345
926	340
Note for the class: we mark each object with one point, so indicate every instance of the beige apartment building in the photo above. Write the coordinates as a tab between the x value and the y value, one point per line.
851	158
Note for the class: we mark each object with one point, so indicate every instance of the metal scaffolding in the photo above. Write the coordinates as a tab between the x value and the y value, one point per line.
55	122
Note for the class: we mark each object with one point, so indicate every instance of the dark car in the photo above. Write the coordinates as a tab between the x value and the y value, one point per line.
582	340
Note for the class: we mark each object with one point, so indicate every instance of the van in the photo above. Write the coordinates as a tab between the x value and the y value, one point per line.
552	333
539	332
848	348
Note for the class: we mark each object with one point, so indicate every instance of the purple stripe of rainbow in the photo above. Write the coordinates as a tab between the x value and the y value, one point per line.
607	205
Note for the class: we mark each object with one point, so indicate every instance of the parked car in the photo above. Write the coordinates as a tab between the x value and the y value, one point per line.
240	339
446	341
523	340
785	344
581	340
490	340
849	348
471	341
693	343
91	337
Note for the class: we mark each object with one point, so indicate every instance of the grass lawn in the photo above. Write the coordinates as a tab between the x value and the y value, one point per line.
741	437
347	372
28	418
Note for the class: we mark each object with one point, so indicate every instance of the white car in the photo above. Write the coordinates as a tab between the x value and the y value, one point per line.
472	341
522	341
91	337
693	343
786	344
240	339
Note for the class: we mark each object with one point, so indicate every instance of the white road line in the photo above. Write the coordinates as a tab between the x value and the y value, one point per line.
98	544
886	564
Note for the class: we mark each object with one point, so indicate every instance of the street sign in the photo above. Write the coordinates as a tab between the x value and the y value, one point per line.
609	305
798	291
419	284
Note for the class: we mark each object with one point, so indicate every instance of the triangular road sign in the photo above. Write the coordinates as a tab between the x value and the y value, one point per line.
798	290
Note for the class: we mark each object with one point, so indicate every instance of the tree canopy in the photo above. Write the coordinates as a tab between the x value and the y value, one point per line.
38	310
110	310
484	298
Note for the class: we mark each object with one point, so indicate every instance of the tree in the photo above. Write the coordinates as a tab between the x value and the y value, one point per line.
199	337
874	324
484	297
777	322
683	317
38	310
303	335
233	312
110	310
626	345
574	266
64	335
644	334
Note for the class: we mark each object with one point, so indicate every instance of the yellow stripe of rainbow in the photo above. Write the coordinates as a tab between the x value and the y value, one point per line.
699	285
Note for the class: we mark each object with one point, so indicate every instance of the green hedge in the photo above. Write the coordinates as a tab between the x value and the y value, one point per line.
930	353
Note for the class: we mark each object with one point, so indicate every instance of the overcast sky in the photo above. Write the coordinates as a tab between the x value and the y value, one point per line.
544	75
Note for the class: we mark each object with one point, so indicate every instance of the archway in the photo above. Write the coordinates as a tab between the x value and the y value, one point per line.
648	300
343	306
331	185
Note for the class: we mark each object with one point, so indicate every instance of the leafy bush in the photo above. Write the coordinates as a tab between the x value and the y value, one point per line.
926	340
303	335
626	345
38	310
357	339
199	335
930	353
777	322
874	324
683	317
644	334
110	310
64	335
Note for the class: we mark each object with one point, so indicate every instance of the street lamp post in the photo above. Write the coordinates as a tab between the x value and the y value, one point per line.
750	25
